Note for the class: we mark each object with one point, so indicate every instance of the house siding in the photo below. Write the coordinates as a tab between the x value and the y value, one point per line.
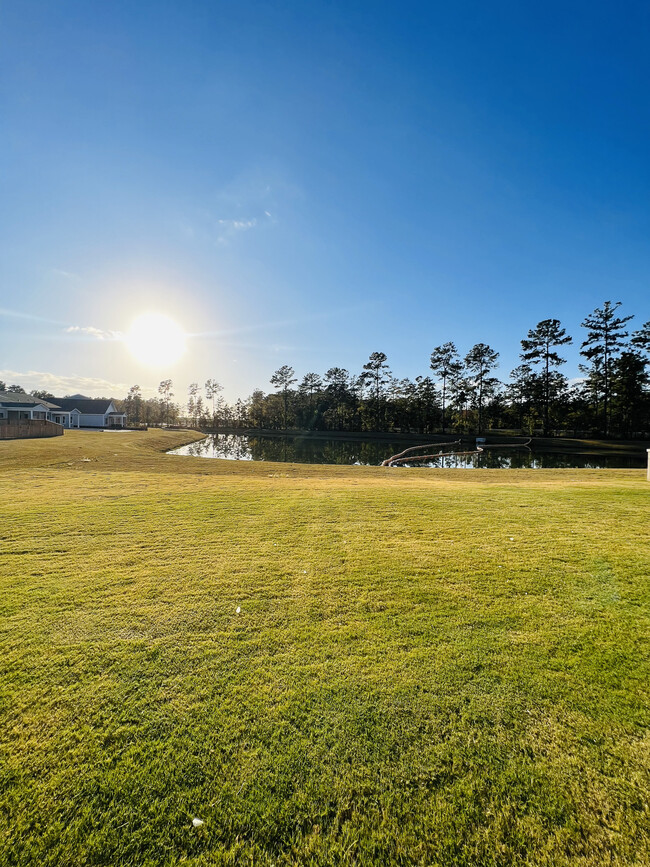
62	412
86	420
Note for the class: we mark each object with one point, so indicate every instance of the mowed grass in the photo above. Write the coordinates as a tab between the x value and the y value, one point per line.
428	667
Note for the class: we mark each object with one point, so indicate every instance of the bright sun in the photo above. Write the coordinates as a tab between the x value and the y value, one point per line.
156	340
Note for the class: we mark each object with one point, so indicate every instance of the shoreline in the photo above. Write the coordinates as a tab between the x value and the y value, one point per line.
541	444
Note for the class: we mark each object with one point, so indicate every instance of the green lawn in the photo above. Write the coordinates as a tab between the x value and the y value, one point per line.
428	667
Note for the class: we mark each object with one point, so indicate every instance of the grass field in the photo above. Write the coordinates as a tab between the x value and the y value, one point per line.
325	665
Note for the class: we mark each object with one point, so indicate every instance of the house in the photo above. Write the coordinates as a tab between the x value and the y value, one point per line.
69	412
16	406
100	413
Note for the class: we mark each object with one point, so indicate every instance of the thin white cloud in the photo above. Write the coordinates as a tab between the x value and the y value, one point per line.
96	333
227	229
321	316
17	314
253	202
239	225
60	385
69	275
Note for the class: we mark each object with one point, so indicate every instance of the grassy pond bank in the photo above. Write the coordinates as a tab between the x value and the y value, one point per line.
238	662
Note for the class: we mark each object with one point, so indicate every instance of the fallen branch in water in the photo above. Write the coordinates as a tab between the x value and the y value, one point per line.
397	461
388	462
405	457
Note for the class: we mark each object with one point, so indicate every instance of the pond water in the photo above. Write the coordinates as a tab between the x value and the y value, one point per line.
311	450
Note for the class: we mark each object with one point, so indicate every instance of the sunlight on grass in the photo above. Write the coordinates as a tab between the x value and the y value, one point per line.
225	663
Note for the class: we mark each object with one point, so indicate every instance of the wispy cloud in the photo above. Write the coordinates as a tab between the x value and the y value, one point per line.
186	228
239	225
321	316
60	385
269	348
17	314
206	227
95	333
69	275
83	331
252	200
227	229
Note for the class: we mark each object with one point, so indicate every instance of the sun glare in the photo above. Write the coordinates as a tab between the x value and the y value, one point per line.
156	340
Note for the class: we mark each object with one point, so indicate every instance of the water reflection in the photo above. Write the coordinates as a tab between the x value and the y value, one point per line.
302	450
226	446
531	460
309	450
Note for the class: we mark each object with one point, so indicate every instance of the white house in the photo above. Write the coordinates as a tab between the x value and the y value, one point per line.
69	412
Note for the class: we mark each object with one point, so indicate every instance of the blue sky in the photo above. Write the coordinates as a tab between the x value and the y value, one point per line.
307	182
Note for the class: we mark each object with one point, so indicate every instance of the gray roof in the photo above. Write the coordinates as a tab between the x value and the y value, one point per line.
24	401
85	405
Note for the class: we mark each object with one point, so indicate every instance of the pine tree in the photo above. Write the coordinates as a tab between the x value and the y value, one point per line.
311	382
377	374
641	338
166	393
282	379
538	349
479	361
605	340
212	390
445	363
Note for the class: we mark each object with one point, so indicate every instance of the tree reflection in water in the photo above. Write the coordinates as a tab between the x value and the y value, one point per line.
229	447
311	450
530	460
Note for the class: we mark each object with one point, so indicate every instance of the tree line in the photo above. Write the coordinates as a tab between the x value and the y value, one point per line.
459	394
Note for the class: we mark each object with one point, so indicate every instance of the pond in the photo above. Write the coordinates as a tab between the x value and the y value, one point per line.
369	452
